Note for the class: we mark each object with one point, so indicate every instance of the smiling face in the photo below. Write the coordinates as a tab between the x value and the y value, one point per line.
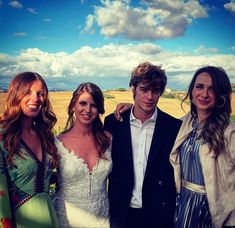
203	95
85	109
33	100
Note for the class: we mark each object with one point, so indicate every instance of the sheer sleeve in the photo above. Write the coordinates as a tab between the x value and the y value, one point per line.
5	209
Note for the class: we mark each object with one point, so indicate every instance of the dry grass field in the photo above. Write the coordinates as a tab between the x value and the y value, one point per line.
60	101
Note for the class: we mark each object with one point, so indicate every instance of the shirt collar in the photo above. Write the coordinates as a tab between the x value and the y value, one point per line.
153	118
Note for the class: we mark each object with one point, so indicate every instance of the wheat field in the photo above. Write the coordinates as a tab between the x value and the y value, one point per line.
60	101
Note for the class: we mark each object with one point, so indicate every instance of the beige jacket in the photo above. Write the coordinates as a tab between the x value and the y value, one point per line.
219	174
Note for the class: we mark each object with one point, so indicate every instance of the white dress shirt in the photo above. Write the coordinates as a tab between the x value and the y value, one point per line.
141	137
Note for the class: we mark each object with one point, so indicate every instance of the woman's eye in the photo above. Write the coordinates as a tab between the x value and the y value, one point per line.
94	106
199	86
41	94
82	103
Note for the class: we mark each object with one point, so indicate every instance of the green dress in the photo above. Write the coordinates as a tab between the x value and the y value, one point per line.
24	189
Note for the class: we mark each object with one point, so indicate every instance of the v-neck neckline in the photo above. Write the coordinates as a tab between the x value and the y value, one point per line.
71	152
31	153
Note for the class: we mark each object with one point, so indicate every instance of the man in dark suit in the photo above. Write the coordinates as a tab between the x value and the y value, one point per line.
141	184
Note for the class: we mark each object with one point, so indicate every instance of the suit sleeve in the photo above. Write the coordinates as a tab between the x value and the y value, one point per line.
108	123
5	209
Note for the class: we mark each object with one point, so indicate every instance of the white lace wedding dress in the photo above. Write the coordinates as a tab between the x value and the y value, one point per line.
82	199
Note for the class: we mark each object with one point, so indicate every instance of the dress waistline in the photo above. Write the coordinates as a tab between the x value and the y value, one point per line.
194	187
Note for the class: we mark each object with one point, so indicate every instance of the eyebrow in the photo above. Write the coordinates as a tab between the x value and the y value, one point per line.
150	87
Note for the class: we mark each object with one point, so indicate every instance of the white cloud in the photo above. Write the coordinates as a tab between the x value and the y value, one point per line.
230	6
89	24
15	4
233	48
47	19
32	11
40	37
20	34
113	61
203	50
1	4
158	20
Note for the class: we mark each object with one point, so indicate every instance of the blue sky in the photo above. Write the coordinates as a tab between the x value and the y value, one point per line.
71	41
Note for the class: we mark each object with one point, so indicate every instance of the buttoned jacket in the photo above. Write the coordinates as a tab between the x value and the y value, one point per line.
219	173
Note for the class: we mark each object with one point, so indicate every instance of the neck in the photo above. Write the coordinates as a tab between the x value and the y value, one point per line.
202	116
27	124
81	129
141	114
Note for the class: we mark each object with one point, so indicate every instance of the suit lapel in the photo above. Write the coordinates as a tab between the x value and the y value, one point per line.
126	134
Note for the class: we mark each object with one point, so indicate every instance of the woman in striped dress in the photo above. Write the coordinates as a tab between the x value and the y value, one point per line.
203	156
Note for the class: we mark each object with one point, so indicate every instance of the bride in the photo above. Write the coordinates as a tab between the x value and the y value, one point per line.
84	148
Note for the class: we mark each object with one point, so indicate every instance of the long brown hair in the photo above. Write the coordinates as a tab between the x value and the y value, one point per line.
10	120
101	139
217	122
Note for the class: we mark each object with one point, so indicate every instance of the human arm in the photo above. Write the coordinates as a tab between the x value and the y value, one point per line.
230	141
120	108
5	209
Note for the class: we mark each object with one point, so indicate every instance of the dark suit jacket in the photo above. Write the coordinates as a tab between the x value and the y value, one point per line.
158	192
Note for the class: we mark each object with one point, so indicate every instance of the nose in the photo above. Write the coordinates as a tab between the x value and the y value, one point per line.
150	95
88	108
205	92
35	96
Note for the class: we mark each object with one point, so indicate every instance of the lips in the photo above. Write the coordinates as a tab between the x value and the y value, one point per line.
204	102
87	117
33	107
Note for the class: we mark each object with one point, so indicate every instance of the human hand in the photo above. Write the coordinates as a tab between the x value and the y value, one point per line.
120	108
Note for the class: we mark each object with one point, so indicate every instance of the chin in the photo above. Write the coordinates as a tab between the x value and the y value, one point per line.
149	109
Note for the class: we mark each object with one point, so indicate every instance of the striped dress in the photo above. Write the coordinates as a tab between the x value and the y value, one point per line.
192	208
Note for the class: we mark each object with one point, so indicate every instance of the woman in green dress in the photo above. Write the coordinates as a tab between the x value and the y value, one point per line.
28	154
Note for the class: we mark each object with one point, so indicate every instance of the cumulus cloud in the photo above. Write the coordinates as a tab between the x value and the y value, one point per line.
113	61
32	11
15	4
233	48
20	34
230	6
157	20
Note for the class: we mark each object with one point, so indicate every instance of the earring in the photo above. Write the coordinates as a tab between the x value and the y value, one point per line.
221	102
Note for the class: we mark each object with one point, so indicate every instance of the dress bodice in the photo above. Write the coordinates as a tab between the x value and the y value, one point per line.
24	188
191	168
82	189
192	209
